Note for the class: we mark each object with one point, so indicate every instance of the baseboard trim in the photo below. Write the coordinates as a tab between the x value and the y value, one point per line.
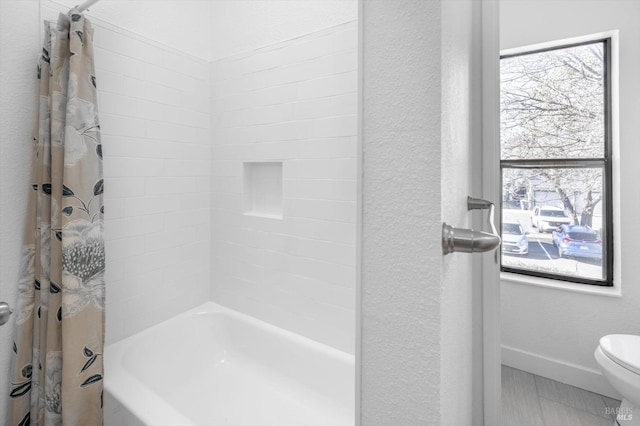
561	371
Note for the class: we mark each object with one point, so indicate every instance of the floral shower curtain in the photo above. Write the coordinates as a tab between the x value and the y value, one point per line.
57	369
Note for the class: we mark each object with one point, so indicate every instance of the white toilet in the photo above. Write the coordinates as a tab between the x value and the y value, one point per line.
619	358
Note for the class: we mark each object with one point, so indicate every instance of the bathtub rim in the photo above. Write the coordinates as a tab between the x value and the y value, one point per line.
128	388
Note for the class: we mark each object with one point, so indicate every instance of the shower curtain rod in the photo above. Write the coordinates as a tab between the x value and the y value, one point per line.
86	5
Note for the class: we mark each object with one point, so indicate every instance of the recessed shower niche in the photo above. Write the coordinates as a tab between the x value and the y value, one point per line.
263	189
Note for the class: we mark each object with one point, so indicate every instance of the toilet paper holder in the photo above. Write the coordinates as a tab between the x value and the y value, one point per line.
467	240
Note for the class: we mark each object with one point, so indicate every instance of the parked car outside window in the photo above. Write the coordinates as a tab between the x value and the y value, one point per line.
514	238
577	241
548	218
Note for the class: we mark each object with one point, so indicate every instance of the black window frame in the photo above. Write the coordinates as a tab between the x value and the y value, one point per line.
606	163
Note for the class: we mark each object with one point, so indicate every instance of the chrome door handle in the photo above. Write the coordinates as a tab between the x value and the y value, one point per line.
467	240
5	312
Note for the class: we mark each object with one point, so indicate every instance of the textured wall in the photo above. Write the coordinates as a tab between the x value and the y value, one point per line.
401	256
19	49
294	102
422	118
555	324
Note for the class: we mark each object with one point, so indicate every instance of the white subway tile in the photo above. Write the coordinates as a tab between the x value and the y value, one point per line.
136	167
114	207
273	95
331	106
340	190
169	185
122	248
184	64
328	86
187	117
135	226
177	139
263	60
148	110
195	250
231	202
331	127
308	49
338	168
155	112
152	148
123	187
275	113
319	270
226	184
122	126
115	270
190	202
345	40
120	64
187	167
108	82
114	146
150	205
121	43
340	211
201	136
167	131
319	291
226	168
113	103
316	148
133	87
152	260
164	240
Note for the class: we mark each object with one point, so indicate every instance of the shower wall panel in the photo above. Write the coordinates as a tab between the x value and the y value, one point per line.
293	103
154	109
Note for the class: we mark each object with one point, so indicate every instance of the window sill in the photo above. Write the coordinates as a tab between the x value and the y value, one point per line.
509	277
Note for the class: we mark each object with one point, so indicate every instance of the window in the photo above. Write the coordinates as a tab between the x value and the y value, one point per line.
555	160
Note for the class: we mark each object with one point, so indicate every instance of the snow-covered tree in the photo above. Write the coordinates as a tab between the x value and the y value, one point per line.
553	107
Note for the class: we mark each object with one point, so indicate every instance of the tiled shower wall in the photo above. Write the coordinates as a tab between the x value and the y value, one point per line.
154	111
294	105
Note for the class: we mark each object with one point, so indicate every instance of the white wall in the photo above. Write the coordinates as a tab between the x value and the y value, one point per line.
154	105
555	332
215	29
242	25
419	84
154	116
180	24
142	102
19	49
294	102
154	112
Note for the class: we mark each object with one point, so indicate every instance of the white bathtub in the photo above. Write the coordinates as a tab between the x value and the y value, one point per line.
215	366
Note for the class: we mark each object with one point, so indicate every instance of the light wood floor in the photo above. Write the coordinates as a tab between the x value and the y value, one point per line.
530	400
